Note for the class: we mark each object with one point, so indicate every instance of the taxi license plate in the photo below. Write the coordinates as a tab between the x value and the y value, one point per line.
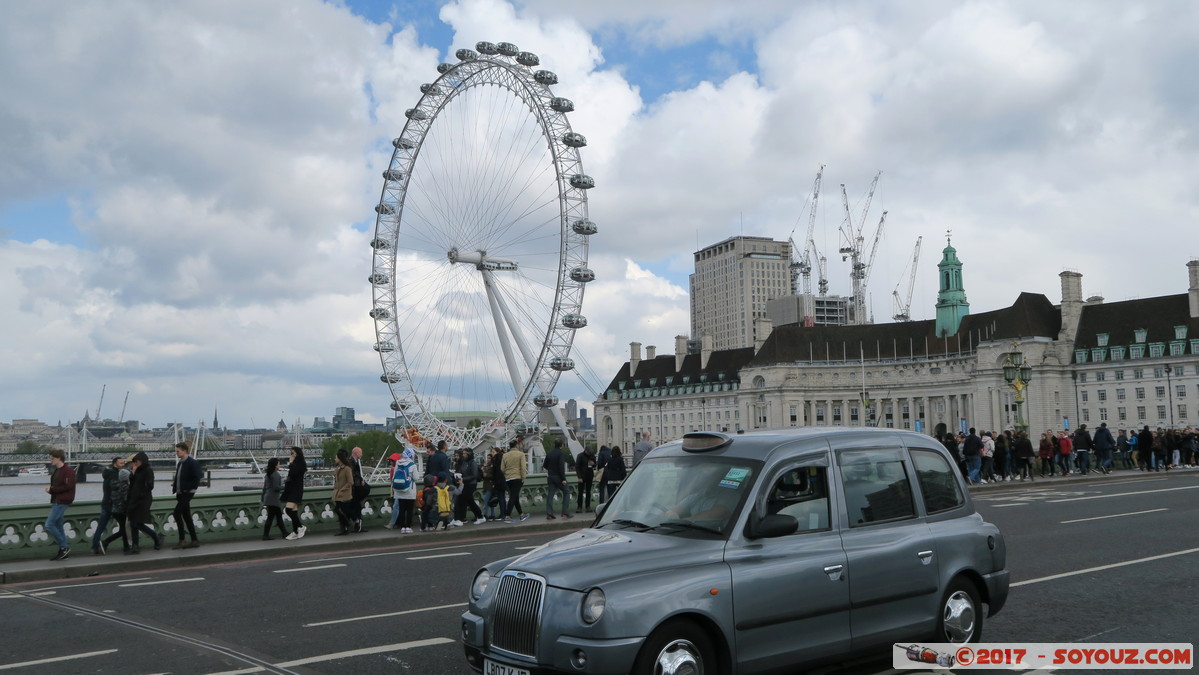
493	668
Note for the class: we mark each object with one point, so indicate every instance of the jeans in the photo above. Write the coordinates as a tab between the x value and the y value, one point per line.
496	511
105	516
514	497
466	500
1084	461
54	522
1063	460
553	488
973	465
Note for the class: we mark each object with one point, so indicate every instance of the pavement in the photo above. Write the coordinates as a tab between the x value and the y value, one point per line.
83	563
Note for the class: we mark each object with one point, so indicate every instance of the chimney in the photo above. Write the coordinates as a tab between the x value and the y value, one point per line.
634	357
705	350
1193	290
680	351
762	330
651	353
1071	305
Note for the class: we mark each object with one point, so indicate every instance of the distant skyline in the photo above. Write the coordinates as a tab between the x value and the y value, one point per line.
186	199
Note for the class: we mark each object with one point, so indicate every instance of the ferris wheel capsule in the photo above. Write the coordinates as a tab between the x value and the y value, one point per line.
380	313
574	139
507	49
385	346
385	209
584	227
582	275
444	68
391	378
466	54
402	143
545	400
379	279
526	429
380	244
416	114
582	181
574	321
562	363
393	175
487	48
430	89
528	59
562	105
546	77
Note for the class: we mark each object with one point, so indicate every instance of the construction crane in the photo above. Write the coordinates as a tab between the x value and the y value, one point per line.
903	306
101	404
122	420
853	248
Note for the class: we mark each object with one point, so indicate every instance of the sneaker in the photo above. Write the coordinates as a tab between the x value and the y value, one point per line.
267	537
388	526
524	517
99	550
159	540
547	517
179	546
480	521
405	530
302	531
192	544
61	555
509	520
292	536
456	523
565	515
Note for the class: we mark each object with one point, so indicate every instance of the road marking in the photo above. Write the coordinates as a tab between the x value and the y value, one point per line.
1114	515
167	581
400	646
94	583
56	659
382	616
27	594
410	552
1137	480
525	548
1004	506
306	569
1123	494
1106	567
439	555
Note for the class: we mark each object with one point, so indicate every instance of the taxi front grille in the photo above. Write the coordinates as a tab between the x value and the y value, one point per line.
517	613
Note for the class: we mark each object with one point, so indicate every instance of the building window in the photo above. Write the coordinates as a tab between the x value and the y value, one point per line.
1080	355
1180	390
1140	393
1138	373
1136	352
1117	353
1082	377
1178	348
819	414
794	416
1180	332
853	413
1119	394
1161	412
1086	414
1157	350
1122	413
836	414
1159	372
1084	397
1101	339
1159	391
1195	346
1103	414
1101	376
1139	334
1102	394
1179	371
1097	354
1141	412
1182	411
1119	374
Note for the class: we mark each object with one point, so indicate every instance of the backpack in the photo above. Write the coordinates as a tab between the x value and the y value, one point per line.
444	505
402	478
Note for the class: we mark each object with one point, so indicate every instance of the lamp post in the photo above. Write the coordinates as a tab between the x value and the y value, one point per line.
1017	375
1170	394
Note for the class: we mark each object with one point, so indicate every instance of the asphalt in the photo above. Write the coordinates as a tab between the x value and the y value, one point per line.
83	563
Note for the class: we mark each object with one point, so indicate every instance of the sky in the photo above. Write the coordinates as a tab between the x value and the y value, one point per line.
187	191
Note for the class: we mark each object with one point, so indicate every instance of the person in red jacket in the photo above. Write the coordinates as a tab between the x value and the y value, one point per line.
62	494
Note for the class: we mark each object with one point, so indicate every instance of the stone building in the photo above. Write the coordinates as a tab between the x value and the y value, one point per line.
732	283
1130	363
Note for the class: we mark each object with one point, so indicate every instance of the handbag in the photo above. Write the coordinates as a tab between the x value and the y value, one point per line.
360	490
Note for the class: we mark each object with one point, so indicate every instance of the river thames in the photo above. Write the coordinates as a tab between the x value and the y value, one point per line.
18	490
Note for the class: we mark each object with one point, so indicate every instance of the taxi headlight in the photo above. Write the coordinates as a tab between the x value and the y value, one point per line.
593	606
480	584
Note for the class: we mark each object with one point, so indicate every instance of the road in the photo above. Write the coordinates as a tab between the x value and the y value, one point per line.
1110	561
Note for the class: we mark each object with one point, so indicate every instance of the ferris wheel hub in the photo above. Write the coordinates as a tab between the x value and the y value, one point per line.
480	260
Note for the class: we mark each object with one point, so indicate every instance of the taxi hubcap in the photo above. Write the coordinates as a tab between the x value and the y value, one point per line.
959	617
679	657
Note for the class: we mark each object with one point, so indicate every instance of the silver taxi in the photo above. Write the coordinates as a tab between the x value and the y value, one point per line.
759	552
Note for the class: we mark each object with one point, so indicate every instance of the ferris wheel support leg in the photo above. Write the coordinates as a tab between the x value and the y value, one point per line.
496	312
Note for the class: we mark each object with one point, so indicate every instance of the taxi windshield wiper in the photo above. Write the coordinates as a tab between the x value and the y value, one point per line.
630	523
688	525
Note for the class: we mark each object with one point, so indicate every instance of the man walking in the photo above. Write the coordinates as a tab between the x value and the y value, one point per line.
188	474
110	504
1082	450
62	494
359	491
1104	445
972	450
642	448
605	456
555	481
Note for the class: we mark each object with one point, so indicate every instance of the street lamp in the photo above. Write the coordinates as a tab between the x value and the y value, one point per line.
1017	375
1170	394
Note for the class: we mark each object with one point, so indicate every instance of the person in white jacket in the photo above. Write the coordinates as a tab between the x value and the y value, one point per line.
403	491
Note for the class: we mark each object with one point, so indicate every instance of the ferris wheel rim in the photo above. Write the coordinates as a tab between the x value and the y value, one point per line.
564	316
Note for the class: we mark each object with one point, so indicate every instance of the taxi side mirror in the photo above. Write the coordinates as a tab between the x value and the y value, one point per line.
770	526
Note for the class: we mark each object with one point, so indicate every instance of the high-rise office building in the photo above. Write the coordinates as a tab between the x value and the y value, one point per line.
732	283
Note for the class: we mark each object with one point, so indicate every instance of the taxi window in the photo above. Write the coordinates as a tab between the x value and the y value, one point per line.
938	485
876	486
801	493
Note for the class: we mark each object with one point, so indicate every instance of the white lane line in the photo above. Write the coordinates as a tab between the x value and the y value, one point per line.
25	595
167	581
525	548
56	659
439	555
94	583
1004	506
410	552
382	616
400	646
1137	481
1114	515
306	569
1106	567
1121	494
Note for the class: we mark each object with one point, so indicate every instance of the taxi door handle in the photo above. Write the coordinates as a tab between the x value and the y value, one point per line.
925	557
834	571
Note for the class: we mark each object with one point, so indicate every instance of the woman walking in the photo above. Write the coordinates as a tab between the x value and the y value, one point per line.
119	494
272	488
293	491
1046	453
343	493
614	472
513	466
141	488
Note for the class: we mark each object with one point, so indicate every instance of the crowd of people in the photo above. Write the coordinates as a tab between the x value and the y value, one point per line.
988	456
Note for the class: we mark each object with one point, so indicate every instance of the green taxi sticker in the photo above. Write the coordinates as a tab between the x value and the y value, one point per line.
733	478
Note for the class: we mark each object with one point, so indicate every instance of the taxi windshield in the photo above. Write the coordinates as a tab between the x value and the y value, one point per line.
686	495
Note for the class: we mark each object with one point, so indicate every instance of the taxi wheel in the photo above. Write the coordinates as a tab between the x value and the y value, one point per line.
961	613
677	648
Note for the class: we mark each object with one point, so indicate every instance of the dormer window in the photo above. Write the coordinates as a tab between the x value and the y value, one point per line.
1117	353
1097	354
1180	332
1139	334
1136	351
1157	349
1080	355
1101	339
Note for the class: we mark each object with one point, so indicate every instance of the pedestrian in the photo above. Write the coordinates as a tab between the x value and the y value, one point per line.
403	491
272	489
1083	443
513	466
601	461
987	472
614	472
438	463
1023	452
1065	448
972	448
642	448
428	508
359	491
141	497
555	481
110	476
293	491
1047	451
343	492
62	495
1104	445
1145	448
188	474
470	472
495	492
119	493
585	470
